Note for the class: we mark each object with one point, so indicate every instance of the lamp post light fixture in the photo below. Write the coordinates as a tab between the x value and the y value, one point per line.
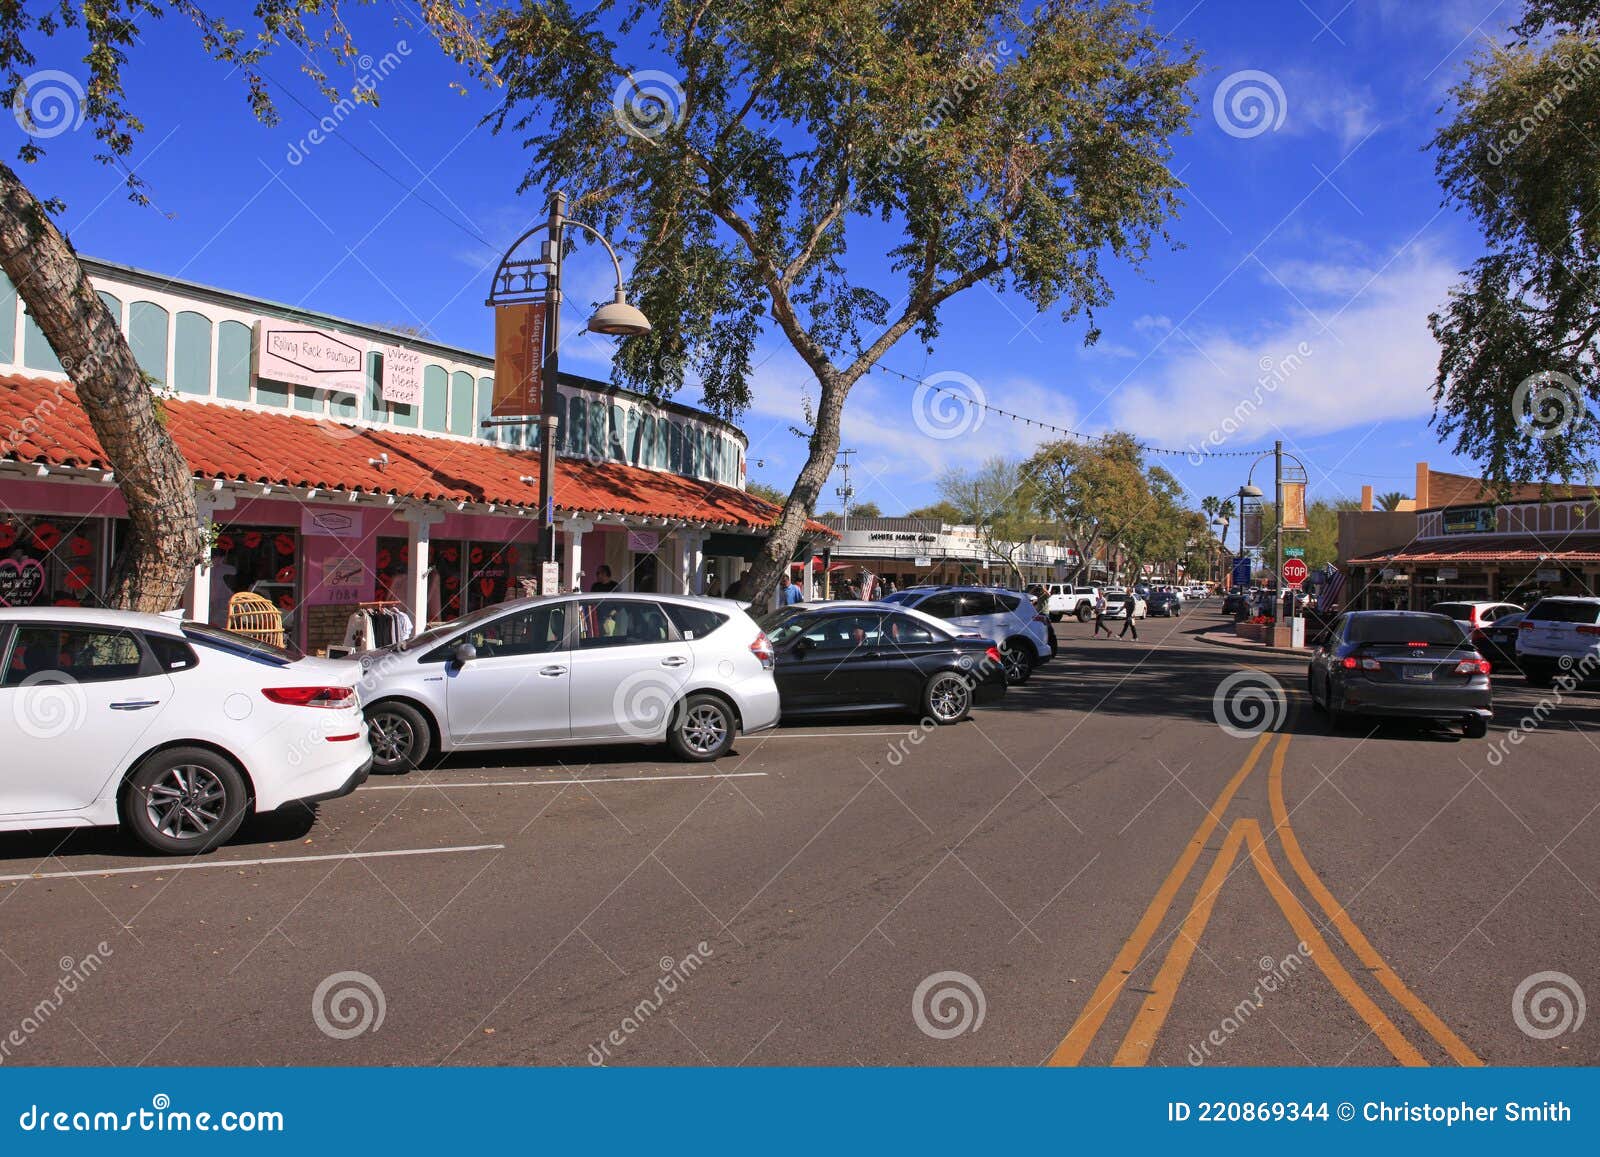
515	284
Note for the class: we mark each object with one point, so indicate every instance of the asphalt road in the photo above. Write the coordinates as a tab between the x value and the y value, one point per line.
1105	873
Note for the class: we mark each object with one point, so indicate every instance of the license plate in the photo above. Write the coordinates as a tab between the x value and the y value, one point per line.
1419	674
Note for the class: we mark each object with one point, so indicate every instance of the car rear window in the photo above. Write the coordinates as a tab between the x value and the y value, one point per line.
239	646
1404	629
1455	610
693	622
1552	611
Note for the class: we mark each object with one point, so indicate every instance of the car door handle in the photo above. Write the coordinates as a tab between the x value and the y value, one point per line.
552	671
135	704
674	661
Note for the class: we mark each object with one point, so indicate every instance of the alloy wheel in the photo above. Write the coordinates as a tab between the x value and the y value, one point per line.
704	728
948	697
186	803
391	737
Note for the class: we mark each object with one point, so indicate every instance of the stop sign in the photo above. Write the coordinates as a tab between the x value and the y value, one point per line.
1295	571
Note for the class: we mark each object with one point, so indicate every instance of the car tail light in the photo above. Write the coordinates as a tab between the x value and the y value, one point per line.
1525	625
1472	667
762	649
1041	618
334	697
1351	663
993	654
1587	629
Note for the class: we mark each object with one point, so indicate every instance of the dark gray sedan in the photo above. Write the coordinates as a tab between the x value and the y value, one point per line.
1401	663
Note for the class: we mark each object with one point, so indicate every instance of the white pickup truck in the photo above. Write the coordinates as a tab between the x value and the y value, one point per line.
1066	599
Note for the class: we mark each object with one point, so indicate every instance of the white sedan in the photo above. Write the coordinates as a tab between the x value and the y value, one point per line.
175	731
602	669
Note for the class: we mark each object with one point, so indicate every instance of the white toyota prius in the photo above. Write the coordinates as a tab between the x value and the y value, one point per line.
175	731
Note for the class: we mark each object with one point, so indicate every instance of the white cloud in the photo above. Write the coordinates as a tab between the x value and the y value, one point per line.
1375	361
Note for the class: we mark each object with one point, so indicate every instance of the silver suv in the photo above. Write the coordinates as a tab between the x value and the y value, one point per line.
578	669
1008	618
1560	636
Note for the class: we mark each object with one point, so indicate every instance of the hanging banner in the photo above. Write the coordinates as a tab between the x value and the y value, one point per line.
518	359
1252	527
1294	505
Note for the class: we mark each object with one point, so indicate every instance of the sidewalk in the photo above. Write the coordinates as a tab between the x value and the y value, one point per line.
1224	637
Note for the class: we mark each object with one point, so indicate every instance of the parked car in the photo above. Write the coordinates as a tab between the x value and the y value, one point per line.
1067	600
1116	604
601	669
173	731
1006	618
1165	604
1400	663
856	657
1474	616
1497	642
1238	602
1560	635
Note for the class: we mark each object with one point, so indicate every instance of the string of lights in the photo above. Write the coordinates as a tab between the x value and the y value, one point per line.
967	400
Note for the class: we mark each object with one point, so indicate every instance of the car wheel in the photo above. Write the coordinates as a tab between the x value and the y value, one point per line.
947	698
703	729
1475	727
1055	616
1084	613
183	801
1018	660
1311	690
399	735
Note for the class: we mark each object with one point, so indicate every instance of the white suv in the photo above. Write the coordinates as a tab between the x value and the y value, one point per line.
575	669
1066	599
1560	636
1007	618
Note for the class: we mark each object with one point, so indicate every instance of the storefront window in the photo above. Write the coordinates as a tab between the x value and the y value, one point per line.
258	559
49	560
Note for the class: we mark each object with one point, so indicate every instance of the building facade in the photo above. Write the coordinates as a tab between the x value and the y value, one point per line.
909	551
338	464
1460	541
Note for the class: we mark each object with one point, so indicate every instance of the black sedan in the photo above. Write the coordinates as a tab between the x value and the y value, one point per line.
1164	603
1401	663
1235	602
1497	641
847	658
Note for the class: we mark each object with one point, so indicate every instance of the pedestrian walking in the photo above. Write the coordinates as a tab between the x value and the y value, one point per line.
1127	624
1100	616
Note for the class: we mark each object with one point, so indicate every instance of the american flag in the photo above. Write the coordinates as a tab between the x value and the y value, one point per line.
1332	585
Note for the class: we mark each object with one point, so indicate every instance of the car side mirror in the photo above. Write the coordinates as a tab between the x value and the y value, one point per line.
465	653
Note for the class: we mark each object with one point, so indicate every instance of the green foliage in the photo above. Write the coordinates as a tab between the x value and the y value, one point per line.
866	510
937	512
1003	143
1518	157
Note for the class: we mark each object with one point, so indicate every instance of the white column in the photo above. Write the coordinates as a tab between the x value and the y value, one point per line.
419	522
808	582
575	529
197	592
694	547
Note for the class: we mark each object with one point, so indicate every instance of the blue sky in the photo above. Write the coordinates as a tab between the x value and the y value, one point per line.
1315	247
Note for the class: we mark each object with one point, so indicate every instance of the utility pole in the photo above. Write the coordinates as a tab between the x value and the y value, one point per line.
845	492
1277	475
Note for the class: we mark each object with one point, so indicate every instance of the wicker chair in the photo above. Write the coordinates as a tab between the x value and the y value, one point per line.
255	618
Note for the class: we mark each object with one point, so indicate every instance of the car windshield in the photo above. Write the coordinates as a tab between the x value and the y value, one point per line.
1432	629
897	597
1461	611
1552	611
433	635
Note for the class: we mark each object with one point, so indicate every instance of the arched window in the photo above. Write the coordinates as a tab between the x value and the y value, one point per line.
233	361
147	335
191	353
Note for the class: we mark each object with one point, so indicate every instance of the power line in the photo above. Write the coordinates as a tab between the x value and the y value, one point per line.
967	400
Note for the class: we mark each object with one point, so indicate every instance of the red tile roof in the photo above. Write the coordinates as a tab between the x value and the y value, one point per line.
1516	548
42	421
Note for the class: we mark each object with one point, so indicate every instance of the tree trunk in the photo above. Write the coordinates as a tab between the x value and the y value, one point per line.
773	561
165	542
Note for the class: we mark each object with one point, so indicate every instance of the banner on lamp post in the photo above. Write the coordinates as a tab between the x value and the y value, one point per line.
1294	505
518	359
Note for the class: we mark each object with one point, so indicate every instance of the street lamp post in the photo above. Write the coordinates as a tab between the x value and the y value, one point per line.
514	284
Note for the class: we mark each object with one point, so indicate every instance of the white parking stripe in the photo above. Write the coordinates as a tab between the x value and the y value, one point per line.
829	734
194	865
450	786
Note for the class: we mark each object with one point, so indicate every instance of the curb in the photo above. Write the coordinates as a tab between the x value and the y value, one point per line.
1216	639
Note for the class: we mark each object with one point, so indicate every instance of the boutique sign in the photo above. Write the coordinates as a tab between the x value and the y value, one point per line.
302	356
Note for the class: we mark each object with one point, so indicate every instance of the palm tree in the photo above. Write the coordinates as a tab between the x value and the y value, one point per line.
1391	500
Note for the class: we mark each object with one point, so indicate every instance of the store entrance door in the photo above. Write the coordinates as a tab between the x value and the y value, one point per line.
644	572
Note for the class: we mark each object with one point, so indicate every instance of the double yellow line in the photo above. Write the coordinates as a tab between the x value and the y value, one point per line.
1141	1036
